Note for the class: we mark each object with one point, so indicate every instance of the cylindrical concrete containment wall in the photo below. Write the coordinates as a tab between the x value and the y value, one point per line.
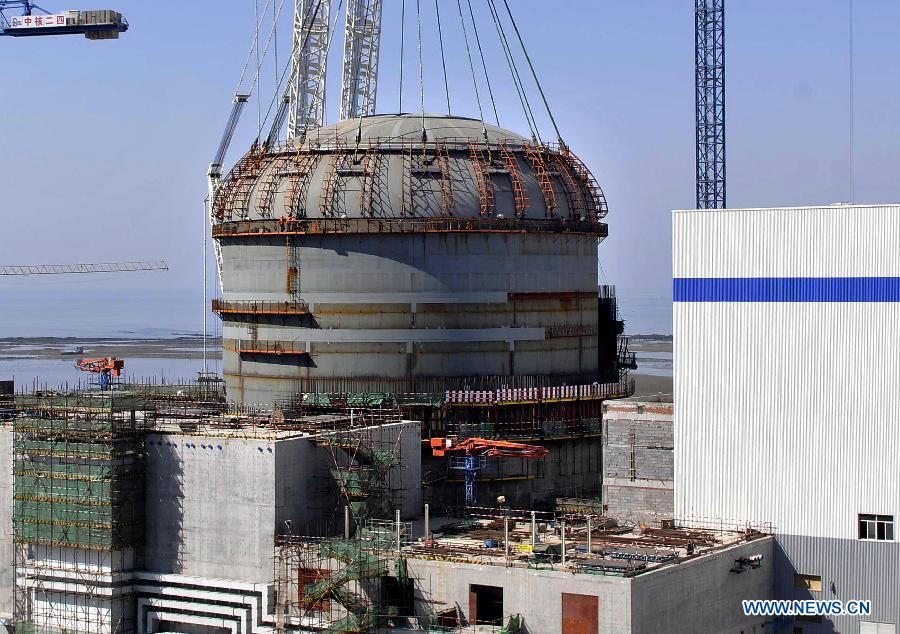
383	256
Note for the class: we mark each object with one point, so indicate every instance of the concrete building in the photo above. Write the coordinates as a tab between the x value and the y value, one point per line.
787	380
638	460
127	518
702	594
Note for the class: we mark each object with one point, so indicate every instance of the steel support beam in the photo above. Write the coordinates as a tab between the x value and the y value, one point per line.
709	54
362	42
309	66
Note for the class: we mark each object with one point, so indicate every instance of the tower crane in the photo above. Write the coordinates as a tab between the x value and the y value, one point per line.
34	20
60	269
472	455
709	66
362	43
309	66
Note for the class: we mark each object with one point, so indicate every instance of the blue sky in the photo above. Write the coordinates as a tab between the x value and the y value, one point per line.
105	144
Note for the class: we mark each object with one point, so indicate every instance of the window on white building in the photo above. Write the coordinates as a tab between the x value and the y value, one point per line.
808	582
876	527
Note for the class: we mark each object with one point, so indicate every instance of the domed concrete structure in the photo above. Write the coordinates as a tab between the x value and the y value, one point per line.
384	256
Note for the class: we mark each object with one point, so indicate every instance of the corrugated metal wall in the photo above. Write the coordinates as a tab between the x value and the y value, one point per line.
789	411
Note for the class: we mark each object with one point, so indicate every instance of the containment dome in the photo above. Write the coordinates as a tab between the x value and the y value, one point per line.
409	255
394	166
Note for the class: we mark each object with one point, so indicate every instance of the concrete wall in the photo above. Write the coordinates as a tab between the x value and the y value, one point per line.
535	594
638	460
214	505
702	595
401	306
210	506
7	567
304	492
699	595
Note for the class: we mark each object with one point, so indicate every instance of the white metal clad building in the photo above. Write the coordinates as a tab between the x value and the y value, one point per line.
787	384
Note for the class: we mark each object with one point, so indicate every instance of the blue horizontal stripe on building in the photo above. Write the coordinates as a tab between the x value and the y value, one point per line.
786	289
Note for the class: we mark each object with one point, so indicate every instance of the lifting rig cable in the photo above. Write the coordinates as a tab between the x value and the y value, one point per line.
437	10
421	72
254	48
275	31
514	71
250	55
256	77
258	103
462	22
287	66
337	15
402	43
487	78
534	74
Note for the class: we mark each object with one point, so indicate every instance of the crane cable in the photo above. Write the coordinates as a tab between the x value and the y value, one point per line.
402	45
437	10
275	31
534	74
421	71
249	57
276	92
257	77
258	103
487	78
514	71
337	15
462	22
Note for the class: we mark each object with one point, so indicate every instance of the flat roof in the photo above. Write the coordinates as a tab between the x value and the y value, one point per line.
838	205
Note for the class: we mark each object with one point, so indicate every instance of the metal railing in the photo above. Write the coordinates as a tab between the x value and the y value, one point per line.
223	306
270	347
318	226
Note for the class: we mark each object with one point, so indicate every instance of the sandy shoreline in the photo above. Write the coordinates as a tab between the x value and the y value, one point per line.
651	385
183	347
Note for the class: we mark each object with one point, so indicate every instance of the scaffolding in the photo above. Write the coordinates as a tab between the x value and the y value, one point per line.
78	510
367	460
336	586
357	582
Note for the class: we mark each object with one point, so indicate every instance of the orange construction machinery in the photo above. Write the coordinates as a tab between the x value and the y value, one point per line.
486	447
470	455
105	368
